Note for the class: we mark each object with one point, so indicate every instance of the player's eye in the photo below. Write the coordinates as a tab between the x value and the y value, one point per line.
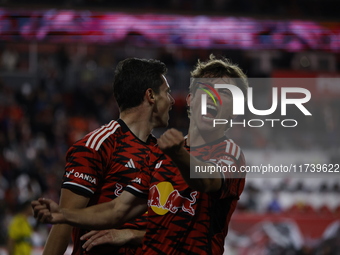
225	92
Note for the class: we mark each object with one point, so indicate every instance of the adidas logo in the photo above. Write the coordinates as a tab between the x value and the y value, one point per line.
130	164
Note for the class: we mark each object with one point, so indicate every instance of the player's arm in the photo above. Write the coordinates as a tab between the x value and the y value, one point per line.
172	144
117	237
102	216
59	236
121	236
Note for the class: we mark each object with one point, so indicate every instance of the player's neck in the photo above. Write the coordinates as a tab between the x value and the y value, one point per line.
138	122
197	137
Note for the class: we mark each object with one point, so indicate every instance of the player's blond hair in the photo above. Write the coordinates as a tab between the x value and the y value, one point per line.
218	68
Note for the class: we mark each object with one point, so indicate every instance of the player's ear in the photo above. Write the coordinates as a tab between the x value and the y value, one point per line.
150	96
188	99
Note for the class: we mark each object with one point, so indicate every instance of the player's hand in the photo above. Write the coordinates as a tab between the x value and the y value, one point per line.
116	237
171	141
47	211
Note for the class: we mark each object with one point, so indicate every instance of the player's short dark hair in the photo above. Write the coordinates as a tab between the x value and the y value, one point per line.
218	68
133	77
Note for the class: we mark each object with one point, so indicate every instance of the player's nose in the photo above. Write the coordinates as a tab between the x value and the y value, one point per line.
172	100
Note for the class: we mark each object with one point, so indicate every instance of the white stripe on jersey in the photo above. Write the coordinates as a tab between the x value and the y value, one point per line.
94	133
228	162
81	186
106	136
232	148
131	164
108	129
228	147
130	186
238	152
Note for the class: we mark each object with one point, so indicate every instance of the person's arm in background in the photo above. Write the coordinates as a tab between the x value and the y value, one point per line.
60	235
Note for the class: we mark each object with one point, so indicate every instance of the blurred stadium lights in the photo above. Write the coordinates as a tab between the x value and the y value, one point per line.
63	26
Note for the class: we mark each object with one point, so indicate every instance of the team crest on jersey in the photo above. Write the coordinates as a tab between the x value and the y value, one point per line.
164	198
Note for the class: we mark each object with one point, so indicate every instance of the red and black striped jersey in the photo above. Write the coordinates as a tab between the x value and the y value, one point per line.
182	220
99	166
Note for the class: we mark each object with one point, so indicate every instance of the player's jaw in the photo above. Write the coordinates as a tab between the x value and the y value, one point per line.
205	123
164	102
212	112
164	115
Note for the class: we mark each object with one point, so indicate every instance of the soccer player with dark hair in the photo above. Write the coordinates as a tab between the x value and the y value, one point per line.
101	164
186	214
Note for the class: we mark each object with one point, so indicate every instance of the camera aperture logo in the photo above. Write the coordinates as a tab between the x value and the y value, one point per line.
239	103
211	95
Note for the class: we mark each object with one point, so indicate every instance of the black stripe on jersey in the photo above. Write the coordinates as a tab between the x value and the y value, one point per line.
76	189
135	193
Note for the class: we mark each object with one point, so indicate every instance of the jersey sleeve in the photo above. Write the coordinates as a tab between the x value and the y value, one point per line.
233	182
230	162
83	170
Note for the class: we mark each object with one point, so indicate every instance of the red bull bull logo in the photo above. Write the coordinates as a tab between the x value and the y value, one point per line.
164	198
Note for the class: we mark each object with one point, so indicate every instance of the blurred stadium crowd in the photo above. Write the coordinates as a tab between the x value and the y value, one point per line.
66	91
292	8
71	94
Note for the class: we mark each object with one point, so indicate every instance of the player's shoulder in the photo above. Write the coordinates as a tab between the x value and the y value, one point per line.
104	134
232	149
